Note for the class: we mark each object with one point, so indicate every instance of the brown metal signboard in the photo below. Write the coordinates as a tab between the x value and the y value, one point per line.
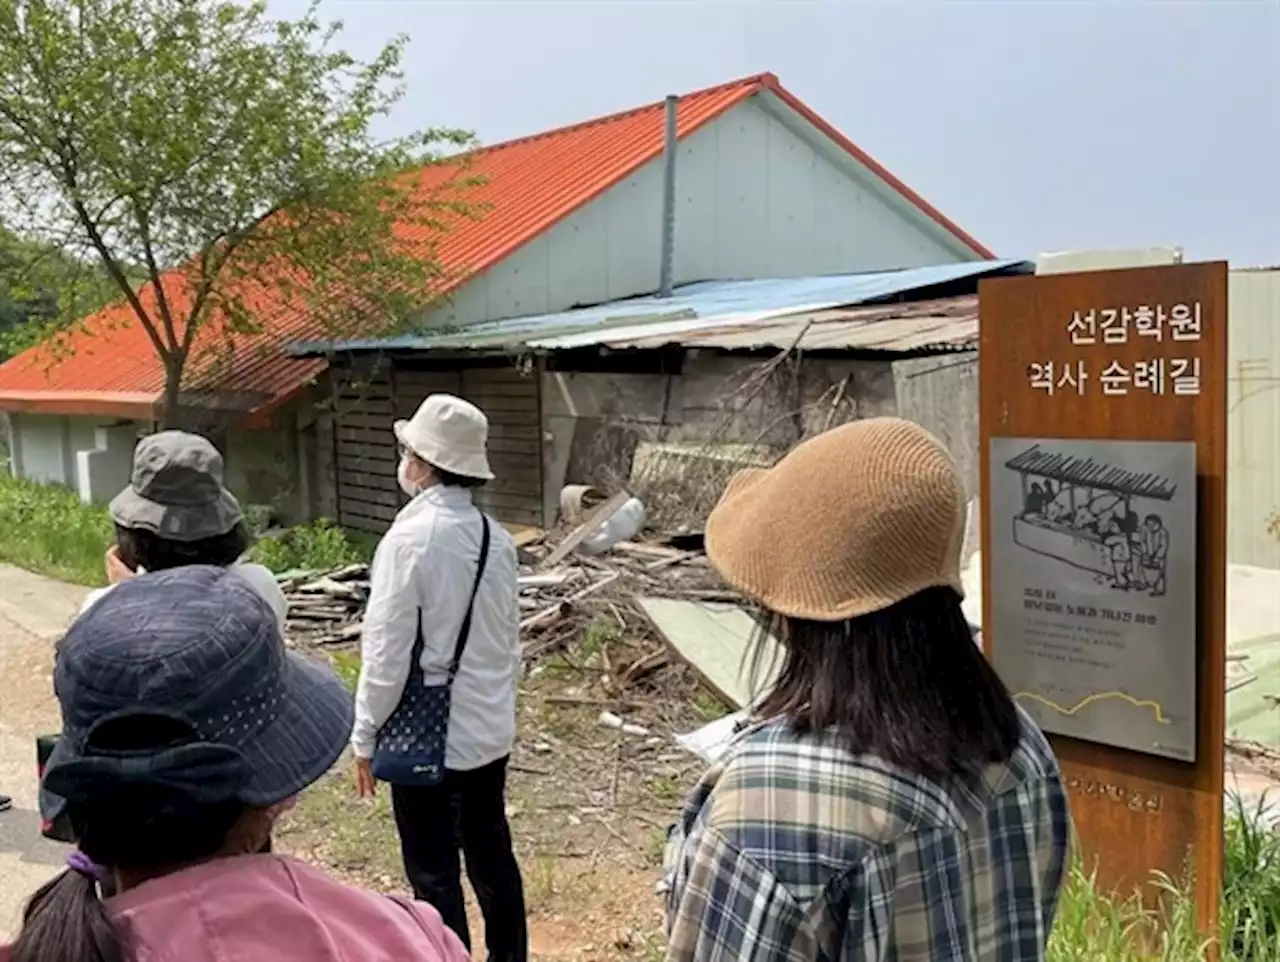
1103	410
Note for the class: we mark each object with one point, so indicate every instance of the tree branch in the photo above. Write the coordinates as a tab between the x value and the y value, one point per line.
157	281
118	276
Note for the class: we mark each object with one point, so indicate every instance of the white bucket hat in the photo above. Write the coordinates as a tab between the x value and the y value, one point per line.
448	433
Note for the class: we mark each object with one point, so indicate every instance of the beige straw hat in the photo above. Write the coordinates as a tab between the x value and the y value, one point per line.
849	522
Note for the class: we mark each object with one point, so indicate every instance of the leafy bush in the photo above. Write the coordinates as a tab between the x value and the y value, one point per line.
317	546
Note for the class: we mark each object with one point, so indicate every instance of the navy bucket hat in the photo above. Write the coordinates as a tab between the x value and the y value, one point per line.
197	645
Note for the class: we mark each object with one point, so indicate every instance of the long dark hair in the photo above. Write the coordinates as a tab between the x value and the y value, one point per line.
135	825
907	684
141	548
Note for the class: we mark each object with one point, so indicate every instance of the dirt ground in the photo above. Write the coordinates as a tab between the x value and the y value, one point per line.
588	805
33	612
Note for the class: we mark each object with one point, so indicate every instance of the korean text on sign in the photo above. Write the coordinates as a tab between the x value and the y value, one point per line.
1117	325
1179	375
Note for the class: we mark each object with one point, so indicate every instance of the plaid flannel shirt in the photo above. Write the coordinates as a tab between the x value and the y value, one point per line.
792	849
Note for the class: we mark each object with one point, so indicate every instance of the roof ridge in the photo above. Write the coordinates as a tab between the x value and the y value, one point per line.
765	80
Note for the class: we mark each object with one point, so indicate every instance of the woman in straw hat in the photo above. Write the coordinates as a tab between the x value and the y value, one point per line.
891	801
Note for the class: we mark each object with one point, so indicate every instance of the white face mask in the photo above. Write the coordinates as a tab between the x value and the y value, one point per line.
402	476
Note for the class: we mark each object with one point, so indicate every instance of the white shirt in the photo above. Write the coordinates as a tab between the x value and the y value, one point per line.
259	578
422	573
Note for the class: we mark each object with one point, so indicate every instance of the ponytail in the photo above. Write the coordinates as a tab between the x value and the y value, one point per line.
65	921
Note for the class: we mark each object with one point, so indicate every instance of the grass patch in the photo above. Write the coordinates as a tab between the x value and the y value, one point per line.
347	666
356	838
1092	925
1251	873
598	636
665	789
49	531
316	546
708	706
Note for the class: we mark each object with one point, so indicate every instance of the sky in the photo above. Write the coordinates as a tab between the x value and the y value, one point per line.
1037	125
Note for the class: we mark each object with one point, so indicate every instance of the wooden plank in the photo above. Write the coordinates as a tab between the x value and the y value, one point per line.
351	508
500	446
515	432
1025	326
389	498
507	408
361	523
361	469
715	639
525	387
365	405
431	378
364	418
357	452
366	435
423	383
375	480
507	499
513	469
493	375
593	523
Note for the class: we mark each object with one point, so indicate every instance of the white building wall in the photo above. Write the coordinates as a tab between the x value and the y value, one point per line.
81	453
759	193
41	446
1253	417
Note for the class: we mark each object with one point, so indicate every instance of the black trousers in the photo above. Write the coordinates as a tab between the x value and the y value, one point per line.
466	811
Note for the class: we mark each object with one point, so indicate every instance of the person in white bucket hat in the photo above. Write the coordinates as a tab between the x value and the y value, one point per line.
439	669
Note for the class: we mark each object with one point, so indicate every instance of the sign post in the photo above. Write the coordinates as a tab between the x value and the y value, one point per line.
1103	432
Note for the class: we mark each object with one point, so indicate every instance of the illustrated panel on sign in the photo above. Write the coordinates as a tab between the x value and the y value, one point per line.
1093	588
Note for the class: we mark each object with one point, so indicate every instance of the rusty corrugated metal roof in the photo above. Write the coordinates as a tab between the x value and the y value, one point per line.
950	324
892	311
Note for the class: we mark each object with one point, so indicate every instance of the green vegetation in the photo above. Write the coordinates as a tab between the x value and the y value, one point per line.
40	285
318	546
1091	925
47	530
236	159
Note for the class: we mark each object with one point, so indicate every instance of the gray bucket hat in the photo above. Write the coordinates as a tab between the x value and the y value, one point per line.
176	490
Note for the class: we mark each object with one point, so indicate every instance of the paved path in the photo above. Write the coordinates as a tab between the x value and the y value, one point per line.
33	613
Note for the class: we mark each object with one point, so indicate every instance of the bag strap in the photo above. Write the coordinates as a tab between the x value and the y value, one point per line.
465	630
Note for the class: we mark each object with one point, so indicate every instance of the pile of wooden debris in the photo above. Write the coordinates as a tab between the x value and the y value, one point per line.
631	616
325	608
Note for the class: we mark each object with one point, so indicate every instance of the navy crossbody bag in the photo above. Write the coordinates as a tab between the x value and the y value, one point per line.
411	745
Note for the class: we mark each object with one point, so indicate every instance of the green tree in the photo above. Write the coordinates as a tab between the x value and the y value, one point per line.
39	285
232	157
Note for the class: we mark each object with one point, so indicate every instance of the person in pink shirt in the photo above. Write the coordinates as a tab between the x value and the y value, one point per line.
188	729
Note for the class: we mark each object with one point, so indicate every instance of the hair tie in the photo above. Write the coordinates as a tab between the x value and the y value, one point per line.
81	864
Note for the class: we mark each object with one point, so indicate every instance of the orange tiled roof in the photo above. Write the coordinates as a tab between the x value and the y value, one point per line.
531	184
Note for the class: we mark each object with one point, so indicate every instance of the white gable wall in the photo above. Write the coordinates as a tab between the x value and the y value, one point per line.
759	193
